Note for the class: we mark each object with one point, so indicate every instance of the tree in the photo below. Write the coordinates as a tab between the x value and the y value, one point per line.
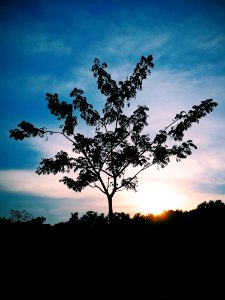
20	216
23	216
101	161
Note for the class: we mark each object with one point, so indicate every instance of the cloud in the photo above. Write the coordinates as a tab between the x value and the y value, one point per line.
136	42
27	182
210	42
42	43
48	83
32	191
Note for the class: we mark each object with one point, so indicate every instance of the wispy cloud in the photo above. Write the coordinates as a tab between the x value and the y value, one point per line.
42	43
210	42
48	83
27	182
134	43
59	199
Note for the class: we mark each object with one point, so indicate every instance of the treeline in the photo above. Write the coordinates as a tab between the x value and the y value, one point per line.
210	212
176	255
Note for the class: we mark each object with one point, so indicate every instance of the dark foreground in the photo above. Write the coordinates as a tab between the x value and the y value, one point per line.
164	261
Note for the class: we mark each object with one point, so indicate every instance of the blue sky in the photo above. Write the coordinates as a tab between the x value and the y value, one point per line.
49	46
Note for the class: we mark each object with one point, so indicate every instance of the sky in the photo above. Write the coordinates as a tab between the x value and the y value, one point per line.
50	46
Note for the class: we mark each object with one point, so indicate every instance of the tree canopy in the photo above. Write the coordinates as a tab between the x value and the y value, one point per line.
102	161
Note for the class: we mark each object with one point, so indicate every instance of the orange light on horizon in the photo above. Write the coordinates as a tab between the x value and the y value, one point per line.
157	198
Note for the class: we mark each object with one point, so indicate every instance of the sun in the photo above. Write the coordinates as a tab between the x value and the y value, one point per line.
156	198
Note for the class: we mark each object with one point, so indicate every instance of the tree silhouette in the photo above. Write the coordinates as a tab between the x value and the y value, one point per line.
23	216
20	216
101	161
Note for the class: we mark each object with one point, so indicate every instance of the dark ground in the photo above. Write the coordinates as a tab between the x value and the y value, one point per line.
119	262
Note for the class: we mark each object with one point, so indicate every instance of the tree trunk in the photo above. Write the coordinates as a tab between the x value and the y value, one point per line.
110	209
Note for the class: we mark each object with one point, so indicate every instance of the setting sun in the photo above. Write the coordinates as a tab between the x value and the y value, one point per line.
156	198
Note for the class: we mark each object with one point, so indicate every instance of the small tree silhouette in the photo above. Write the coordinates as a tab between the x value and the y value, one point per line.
20	216
101	161
23	216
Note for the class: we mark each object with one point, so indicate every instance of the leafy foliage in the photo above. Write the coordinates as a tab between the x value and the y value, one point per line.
20	215
23	216
101	161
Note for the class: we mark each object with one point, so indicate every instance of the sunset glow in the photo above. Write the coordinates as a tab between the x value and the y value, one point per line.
156	198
